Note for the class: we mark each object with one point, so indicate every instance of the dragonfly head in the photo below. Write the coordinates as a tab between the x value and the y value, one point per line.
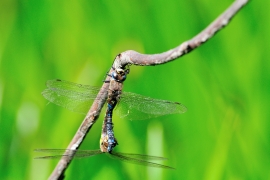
120	75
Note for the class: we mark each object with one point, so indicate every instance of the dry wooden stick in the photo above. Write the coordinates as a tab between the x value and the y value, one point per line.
132	57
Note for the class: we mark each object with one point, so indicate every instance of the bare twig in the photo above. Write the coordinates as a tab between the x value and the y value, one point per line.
133	57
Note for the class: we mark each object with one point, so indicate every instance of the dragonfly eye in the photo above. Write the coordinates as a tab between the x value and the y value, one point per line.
114	75
123	78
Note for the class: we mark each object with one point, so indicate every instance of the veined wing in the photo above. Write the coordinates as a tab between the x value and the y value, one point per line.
75	97
59	153
139	159
137	107
78	98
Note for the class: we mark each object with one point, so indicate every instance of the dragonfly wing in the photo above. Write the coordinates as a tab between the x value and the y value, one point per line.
141	156
139	159
59	153
131	158
134	106
75	97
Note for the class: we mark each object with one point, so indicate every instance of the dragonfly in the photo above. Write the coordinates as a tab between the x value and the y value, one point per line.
78	98
139	159
108	140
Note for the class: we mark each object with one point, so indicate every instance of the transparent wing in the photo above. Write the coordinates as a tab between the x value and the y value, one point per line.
75	97
59	153
78	98
131	158
140	156
138	107
139	159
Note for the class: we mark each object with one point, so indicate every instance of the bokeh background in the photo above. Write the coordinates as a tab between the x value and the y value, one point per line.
225	85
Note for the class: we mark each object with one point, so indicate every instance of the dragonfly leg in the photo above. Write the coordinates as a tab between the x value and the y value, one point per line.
108	81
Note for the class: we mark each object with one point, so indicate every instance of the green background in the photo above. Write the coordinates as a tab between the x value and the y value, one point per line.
225	85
